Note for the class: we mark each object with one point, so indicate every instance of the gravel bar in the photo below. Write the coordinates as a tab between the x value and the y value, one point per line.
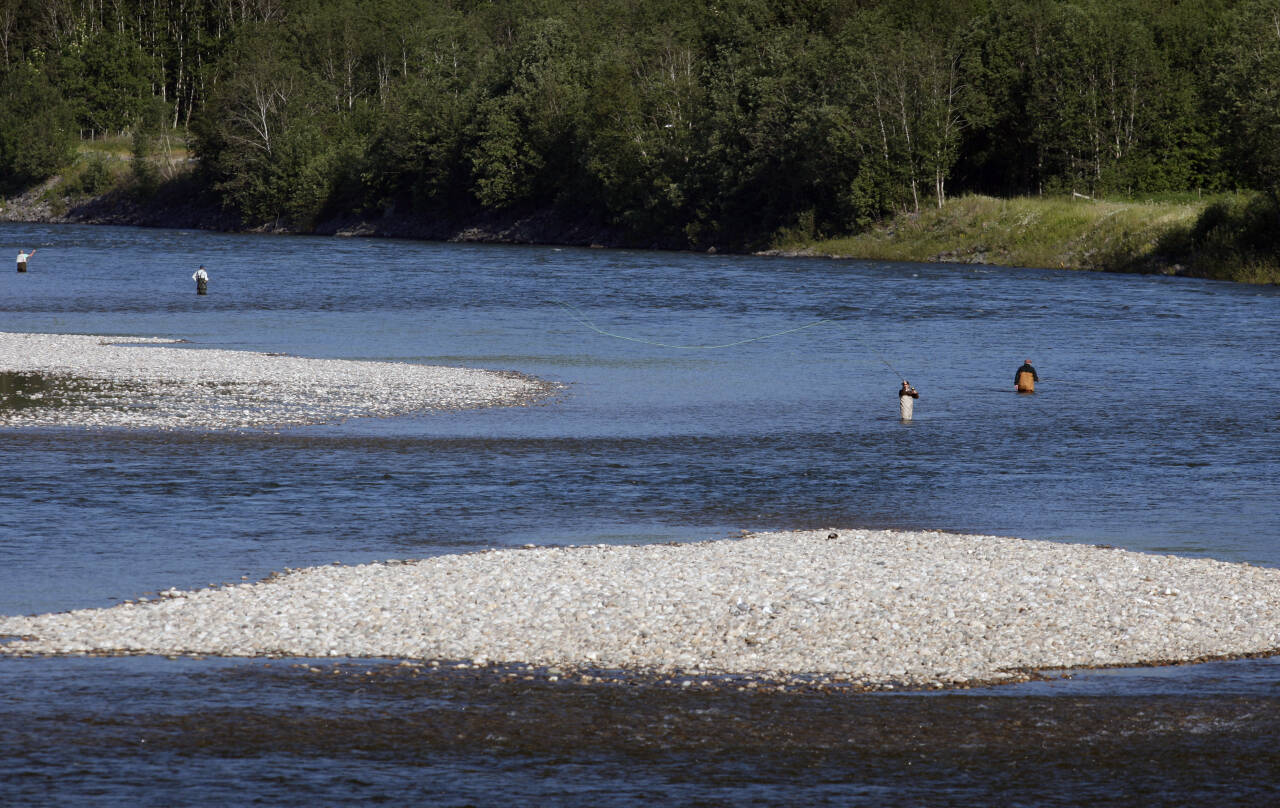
141	382
871	608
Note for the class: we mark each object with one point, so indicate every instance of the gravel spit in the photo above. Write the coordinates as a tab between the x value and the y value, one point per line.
140	382
871	608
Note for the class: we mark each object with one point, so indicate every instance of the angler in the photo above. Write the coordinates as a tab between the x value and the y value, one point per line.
1025	378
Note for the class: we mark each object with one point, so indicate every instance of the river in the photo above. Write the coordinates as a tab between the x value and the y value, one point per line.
1155	428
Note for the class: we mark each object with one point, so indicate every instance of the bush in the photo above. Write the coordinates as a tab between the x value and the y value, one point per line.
1237	238
95	178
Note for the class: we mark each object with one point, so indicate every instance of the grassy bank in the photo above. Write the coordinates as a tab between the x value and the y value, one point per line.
123	164
1223	237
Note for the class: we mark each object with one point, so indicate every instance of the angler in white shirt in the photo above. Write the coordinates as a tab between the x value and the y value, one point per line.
202	281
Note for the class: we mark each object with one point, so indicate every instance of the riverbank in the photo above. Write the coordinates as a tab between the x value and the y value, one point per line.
1227	237
1224	238
183	202
874	609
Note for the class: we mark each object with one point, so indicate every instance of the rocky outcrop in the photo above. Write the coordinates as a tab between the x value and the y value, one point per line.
180	203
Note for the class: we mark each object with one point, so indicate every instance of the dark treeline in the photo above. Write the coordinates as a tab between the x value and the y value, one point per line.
668	122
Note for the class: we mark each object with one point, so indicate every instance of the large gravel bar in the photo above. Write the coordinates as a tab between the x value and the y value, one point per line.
872	608
140	382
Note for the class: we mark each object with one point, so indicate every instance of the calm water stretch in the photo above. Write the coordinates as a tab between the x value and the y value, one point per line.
1156	427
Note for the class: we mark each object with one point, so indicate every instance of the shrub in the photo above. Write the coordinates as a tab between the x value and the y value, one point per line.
95	178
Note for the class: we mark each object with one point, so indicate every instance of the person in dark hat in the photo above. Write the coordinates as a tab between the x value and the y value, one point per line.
202	281
1025	378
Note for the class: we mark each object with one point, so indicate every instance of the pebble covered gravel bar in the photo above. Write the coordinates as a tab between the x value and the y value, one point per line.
139	382
873	608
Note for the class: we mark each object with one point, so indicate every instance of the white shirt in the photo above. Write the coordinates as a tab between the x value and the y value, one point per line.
200	275
22	257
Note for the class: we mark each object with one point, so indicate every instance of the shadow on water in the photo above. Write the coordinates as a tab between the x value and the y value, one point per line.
382	725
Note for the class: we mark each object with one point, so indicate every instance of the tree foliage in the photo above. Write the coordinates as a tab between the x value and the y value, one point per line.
1247	80
37	133
672	124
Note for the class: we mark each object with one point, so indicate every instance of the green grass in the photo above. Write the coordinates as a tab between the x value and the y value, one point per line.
1060	233
1023	231
106	164
170	143
112	145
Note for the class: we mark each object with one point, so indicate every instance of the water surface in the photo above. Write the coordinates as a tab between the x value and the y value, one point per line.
1154	428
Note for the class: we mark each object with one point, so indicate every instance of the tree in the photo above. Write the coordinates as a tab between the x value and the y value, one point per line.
908	108
108	73
1248	85
528	132
428	76
37	136
643	126
268	139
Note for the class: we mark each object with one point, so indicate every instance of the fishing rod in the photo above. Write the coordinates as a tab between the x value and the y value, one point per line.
890	367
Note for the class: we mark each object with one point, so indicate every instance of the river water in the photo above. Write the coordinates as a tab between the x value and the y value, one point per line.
1155	428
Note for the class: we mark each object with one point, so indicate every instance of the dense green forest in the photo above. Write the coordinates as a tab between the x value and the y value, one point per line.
665	122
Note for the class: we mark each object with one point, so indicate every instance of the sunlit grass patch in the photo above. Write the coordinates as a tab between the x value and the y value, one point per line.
168	146
106	163
1056	232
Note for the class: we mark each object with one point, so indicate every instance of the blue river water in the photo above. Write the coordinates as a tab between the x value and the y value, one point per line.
1156	427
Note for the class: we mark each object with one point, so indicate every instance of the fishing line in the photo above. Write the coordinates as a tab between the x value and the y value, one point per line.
581	318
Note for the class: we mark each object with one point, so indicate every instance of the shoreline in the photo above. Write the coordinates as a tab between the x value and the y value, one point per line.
1042	233
867	610
182	205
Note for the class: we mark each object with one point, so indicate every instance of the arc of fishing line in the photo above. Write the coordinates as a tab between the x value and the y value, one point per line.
582	319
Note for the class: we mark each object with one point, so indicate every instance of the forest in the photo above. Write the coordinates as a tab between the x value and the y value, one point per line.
667	123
